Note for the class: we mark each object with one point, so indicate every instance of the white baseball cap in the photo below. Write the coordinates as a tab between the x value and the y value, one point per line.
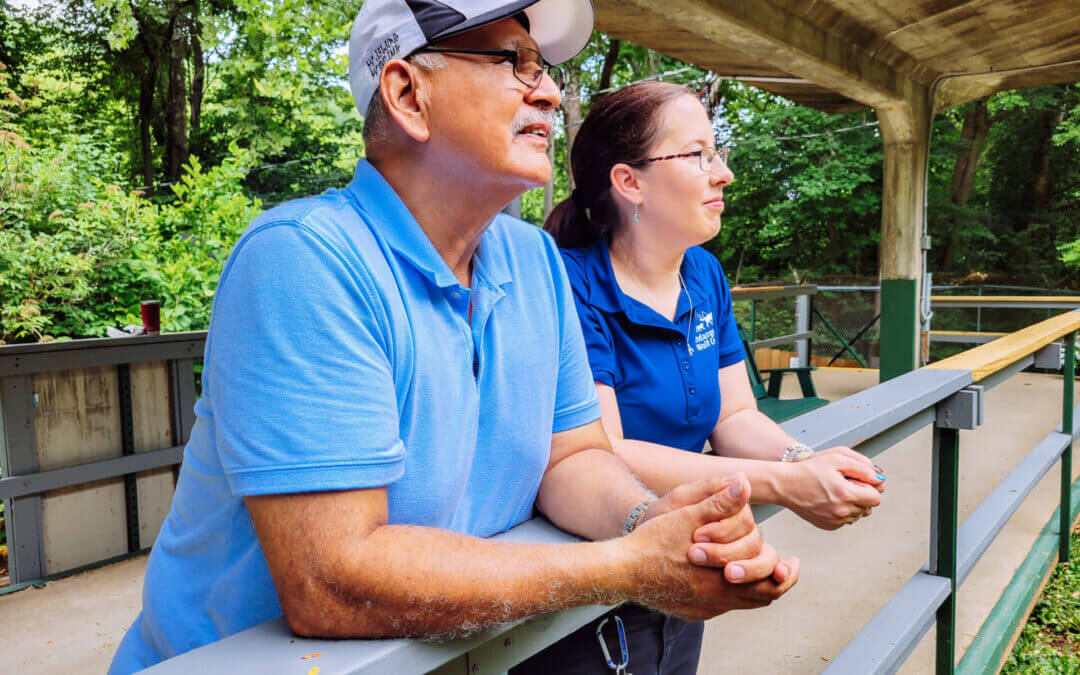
390	29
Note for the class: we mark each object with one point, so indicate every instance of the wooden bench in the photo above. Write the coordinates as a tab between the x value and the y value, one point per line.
767	392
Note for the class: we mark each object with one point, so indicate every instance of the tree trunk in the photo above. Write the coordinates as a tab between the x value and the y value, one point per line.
974	132
610	59
1037	201
176	140
147	86
198	71
571	107
549	187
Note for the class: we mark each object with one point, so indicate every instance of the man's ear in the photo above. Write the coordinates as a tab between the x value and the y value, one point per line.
627	183
399	83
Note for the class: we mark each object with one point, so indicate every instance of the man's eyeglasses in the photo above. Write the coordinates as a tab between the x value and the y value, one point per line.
707	158
529	65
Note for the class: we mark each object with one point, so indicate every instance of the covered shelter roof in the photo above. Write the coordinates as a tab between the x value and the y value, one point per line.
844	55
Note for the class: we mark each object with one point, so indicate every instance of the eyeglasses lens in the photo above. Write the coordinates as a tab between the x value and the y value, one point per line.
707	159
529	68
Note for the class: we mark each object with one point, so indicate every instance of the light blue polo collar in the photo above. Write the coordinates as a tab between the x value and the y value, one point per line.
605	294
370	193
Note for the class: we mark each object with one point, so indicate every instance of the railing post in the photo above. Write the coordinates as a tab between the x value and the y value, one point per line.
946	455
1066	457
802	325
962	410
753	320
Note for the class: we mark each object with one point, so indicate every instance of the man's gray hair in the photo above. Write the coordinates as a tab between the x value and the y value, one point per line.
375	120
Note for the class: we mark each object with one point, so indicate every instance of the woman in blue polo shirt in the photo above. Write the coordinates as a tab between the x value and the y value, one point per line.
656	312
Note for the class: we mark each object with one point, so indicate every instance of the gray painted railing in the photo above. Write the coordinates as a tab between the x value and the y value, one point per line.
22	483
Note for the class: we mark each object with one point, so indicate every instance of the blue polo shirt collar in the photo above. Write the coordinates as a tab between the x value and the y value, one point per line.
605	294
374	196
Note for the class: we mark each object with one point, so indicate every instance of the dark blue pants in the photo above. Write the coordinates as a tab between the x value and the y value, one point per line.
658	645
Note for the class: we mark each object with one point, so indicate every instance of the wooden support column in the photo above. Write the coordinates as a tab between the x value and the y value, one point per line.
905	129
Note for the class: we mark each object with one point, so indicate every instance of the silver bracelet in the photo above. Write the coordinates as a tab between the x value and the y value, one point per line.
634	516
792	451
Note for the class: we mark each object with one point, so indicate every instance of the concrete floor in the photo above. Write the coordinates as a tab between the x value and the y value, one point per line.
73	625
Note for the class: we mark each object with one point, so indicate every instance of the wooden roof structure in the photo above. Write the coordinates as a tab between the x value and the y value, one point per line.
843	55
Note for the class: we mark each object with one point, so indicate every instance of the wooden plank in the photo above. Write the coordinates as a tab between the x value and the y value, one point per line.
153	430
991	357
77	420
1064	300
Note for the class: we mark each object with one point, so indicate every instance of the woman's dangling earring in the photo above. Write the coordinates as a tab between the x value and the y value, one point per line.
637	218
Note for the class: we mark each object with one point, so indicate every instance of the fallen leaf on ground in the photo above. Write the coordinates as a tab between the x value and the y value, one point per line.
311	656
313	671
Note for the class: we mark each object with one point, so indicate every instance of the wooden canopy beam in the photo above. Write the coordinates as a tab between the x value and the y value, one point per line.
774	37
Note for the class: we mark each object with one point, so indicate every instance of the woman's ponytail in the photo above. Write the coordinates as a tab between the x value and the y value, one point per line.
570	225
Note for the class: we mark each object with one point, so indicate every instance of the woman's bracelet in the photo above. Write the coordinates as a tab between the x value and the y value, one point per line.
794	450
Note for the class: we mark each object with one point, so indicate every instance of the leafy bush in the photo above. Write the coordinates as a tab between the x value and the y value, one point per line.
78	257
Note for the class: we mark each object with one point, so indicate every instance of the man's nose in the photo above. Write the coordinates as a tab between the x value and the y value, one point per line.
546	95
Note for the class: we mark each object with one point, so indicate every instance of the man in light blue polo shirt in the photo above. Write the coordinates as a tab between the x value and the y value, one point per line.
394	372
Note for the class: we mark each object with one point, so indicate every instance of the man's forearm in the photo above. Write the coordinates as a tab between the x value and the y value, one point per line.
590	493
407	581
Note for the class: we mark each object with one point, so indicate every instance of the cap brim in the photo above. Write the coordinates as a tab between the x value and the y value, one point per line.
561	28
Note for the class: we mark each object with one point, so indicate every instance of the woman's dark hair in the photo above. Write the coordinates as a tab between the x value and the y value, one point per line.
621	127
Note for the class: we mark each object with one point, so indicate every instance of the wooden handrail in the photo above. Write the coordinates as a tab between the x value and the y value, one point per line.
987	359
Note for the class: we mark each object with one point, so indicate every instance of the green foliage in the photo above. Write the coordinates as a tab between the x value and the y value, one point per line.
1050	641
76	267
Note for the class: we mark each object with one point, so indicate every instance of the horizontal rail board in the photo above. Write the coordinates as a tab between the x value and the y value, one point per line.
781	339
768	292
870	412
963	337
989	358
36	483
70	354
1006	301
983	525
884	643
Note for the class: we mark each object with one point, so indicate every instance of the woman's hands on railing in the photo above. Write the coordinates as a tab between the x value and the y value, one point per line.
701	554
831	488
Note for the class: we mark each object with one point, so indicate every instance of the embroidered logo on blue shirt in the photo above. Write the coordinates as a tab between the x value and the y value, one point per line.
704	332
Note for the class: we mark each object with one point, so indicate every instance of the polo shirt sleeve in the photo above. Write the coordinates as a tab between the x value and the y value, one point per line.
576	401
729	345
298	369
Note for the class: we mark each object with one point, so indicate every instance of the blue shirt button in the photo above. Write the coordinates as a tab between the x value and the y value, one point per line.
692	391
686	365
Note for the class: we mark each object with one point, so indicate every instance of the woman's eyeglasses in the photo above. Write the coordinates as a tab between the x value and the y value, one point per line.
707	158
529	65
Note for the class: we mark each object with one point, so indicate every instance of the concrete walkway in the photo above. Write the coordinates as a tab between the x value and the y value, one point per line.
73	625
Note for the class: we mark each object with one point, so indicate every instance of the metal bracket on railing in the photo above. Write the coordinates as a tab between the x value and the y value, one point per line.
962	410
1052	356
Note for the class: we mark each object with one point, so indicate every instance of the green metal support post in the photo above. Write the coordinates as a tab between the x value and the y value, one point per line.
899	327
943	541
753	320
1066	456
